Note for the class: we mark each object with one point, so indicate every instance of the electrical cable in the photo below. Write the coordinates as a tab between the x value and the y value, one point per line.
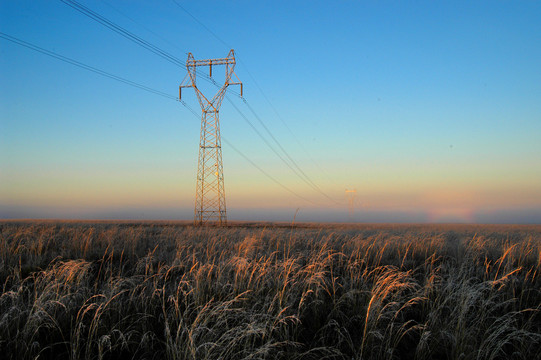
143	26
84	66
123	32
307	178
142	87
203	25
130	36
304	175
276	152
171	58
264	172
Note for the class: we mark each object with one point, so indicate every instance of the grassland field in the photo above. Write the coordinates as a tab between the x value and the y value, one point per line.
168	290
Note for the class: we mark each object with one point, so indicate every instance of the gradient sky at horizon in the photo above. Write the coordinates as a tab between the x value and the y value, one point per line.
430	110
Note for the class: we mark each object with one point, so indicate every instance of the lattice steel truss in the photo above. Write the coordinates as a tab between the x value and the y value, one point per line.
210	192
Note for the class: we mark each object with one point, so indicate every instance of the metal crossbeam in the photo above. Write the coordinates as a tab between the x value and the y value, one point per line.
210	62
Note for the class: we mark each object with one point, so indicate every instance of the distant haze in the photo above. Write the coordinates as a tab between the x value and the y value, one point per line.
500	216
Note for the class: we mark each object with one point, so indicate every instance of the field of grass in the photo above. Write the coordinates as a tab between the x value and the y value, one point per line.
108	290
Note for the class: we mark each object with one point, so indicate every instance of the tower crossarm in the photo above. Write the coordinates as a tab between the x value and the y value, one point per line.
210	62
229	60
230	78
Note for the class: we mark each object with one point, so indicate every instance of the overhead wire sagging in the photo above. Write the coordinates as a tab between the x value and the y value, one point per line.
292	164
294	167
145	88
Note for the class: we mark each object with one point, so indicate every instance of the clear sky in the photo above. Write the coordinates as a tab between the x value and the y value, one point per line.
431	110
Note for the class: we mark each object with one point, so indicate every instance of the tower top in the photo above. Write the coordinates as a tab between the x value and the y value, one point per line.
229	60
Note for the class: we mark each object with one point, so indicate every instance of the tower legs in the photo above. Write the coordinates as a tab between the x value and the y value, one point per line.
210	191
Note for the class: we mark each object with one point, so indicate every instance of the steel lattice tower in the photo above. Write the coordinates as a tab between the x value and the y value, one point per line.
210	192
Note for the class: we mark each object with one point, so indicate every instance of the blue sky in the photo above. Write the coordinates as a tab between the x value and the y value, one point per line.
431	110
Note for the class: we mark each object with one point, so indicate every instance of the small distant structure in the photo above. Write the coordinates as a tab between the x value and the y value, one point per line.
351	195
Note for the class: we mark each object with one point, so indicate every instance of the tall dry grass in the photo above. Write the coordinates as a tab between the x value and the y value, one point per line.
165	290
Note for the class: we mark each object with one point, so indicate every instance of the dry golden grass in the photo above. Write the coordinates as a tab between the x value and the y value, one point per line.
145	290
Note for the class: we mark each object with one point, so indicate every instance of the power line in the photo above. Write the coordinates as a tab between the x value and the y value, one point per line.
306	177
123	32
171	58
143	26
282	120
200	23
269	145
130	35
300	172
84	66
142	87
264	172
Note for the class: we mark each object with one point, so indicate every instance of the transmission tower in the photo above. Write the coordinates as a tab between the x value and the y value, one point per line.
351	194
210	192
